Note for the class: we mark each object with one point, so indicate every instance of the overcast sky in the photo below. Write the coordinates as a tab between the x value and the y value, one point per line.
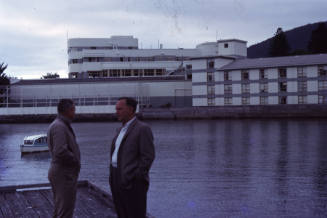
33	33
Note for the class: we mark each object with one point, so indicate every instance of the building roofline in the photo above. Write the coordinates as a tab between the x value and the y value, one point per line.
231	40
217	56
273	62
97	80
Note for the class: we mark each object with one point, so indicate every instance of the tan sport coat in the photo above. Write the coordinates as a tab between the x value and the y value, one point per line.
62	144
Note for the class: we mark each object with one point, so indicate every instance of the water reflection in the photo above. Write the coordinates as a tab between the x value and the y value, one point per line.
36	157
282	166
320	178
221	168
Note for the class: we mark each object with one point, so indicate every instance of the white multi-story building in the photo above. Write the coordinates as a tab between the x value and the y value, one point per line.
261	81
211	74
119	56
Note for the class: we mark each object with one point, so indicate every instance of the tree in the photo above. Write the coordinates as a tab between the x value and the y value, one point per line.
279	45
4	80
318	40
4	83
50	76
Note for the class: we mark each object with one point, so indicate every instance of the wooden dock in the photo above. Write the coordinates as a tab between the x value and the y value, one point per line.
36	200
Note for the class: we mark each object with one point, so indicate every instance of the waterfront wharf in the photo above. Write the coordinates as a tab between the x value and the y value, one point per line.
36	200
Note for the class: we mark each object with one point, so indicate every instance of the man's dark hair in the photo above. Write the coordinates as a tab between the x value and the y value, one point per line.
130	102
64	105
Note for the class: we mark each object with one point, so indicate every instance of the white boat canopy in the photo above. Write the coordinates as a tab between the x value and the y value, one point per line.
34	137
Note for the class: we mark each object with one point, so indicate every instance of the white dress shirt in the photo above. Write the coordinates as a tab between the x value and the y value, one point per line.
119	140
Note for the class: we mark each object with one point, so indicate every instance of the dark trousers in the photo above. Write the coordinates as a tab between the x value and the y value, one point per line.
64	187
131	202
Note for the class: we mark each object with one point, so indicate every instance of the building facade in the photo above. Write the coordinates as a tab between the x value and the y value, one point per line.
211	74
119	56
172	91
263	81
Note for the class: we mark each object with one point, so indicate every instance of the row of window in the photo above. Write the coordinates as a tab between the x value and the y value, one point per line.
127	73
70	49
126	59
263	87
282	73
123	73
302	99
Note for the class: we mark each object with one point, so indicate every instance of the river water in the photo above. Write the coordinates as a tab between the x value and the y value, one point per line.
203	168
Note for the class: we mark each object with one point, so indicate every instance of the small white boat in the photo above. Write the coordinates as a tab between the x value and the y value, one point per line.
34	143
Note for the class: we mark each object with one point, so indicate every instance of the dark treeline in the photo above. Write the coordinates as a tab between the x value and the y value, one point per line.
279	45
307	39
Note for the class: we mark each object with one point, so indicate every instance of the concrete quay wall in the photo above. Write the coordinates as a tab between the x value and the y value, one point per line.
230	112
271	111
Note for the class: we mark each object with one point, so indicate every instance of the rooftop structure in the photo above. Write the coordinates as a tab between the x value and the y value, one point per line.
119	56
288	61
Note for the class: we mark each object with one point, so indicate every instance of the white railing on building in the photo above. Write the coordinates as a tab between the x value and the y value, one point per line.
17	105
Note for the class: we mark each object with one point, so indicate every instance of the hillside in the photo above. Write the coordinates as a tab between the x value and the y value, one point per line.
298	39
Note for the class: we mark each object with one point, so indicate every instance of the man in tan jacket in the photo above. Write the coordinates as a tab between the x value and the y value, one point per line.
65	164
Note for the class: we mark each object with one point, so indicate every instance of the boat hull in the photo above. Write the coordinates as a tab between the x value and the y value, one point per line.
31	149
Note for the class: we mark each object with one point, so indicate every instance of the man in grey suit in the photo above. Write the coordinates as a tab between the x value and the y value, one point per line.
65	164
132	154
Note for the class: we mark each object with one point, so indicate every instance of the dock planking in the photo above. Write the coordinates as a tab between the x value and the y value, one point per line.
37	201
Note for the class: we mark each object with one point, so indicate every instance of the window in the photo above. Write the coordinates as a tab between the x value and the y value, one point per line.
226	76
136	72
263	87
322	99
228	89
302	86
148	72
245	88
322	85
211	90
301	72
322	70
114	73
283	86
245	75
302	99
141	72
127	72
263	74
226	45
93	74
159	72
282	100
245	100
211	101
227	101
92	59
211	64
105	73
189	66
73	75
210	77
282	72
263	100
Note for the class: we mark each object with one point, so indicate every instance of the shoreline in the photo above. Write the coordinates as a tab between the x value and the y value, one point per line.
192	113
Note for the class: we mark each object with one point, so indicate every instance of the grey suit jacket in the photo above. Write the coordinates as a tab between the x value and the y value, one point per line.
136	153
62	144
